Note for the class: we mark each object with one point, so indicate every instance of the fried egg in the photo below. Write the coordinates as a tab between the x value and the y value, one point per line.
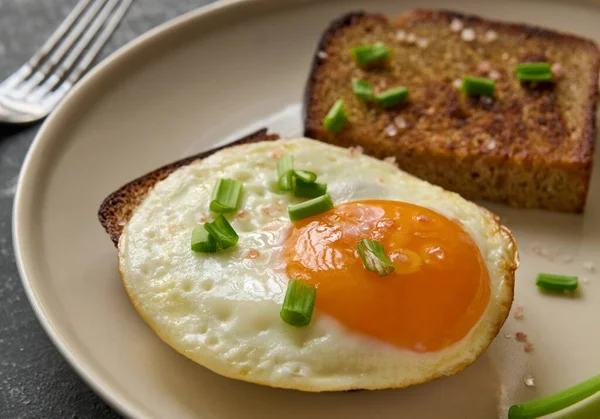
448	296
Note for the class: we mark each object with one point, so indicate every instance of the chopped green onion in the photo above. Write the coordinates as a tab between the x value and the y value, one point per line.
534	77
534	71
557	401
309	189
299	303
336	118
533	68
285	171
478	86
305	176
226	195
362	89
202	241
369	54
553	282
222	231
392	96
309	208
374	257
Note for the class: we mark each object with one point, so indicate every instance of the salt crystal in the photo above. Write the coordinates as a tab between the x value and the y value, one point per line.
322	55
528	347
390	160
589	266
491	144
486	100
529	381
456	25
411	38
494	75
519	312
508	336
468	34
491	36
401	36
400	122
484	67
521	337
391	130
423	43
505	56
457	83
252	254
557	70
355	150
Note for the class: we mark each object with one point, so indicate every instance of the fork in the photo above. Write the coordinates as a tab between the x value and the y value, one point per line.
35	89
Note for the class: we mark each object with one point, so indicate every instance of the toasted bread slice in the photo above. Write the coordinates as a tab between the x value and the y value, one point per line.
116	210
530	146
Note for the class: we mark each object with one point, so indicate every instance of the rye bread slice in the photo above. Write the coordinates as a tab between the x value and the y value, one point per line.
116	209
531	146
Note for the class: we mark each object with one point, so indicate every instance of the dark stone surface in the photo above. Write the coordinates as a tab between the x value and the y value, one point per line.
35	381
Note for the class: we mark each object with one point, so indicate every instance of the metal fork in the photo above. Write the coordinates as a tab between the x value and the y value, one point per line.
35	89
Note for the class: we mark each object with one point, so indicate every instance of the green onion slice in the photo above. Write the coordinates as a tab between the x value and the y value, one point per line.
285	170
557	401
309	208
226	195
374	257
308	189
369	54
478	86
202	241
336	118
362	89
553	282
222	231
392	96
305	176
534	77
299	303
533	68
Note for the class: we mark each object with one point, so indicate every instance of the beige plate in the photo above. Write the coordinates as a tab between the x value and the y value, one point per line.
193	83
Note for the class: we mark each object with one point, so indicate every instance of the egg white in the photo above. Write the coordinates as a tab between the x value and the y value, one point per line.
222	310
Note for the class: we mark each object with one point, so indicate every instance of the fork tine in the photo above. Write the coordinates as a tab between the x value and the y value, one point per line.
109	17
48	46
58	53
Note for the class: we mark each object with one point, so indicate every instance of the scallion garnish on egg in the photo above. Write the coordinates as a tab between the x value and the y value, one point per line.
308	189
285	171
309	208
202	241
226	195
299	303
374	257
305	176
222	232
557	401
552	282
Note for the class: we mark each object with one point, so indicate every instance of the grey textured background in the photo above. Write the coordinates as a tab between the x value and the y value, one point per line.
35	381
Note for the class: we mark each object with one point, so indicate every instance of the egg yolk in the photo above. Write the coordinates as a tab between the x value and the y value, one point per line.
438	291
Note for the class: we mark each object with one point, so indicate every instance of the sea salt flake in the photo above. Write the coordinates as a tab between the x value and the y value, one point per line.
391	160
529	381
322	55
491	36
589	266
521	337
519	312
528	347
401	36
491	144
400	122
484	67
356	150
508	336
557	70
423	43
391	130
494	75
411	38
505	56
457	83
456	25
468	34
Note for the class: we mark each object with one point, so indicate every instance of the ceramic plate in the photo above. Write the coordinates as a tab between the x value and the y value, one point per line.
198	81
